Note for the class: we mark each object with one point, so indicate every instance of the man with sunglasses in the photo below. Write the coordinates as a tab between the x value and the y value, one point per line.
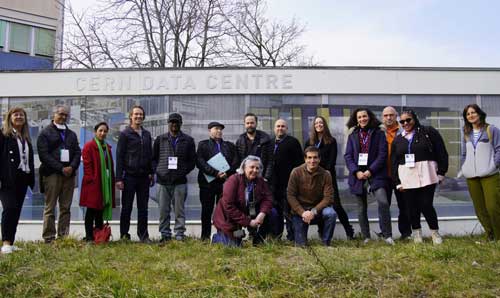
59	155
392	129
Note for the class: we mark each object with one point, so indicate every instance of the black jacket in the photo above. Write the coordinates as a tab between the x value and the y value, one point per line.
186	158
427	144
328	161
10	162
206	150
262	147
287	156
50	143
134	154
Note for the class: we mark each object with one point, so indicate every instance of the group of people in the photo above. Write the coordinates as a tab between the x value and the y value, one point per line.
262	184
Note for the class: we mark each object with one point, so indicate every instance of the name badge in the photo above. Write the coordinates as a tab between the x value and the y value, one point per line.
172	163
410	160
363	159
64	155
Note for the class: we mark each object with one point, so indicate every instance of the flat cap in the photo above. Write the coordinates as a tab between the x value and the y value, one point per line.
175	117
215	123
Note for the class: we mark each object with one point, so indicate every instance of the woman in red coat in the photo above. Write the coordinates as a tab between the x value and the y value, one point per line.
246	200
98	193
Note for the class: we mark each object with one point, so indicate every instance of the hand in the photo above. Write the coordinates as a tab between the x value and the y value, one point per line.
254	223
67	171
400	188
221	175
360	175
260	217
367	174
151	180
119	185
441	178
307	217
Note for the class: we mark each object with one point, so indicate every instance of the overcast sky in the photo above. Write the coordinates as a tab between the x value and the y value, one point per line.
459	33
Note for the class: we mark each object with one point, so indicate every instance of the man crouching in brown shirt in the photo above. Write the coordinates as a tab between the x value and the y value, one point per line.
310	195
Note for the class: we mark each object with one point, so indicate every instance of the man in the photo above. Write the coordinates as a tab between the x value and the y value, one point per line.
256	142
59	155
134	173
211	191
392	129
174	157
310	193
287	155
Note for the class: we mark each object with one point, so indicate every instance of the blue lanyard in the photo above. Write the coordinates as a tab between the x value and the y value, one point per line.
250	188
475	142
364	139
217	145
410	140
174	141
276	145
318	143
63	137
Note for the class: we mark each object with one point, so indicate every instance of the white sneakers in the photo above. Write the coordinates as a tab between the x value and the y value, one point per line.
417	236
389	240
7	249
436	238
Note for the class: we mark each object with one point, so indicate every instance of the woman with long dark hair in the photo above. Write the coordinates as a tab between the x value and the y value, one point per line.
419	163
366	159
16	173
480	163
321	138
98	192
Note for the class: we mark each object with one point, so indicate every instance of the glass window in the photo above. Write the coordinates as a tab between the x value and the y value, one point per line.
2	33
20	37
44	42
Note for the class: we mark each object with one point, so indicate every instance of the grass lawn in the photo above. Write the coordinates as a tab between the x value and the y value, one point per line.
460	267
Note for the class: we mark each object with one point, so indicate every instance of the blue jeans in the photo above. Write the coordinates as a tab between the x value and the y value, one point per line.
327	218
169	195
225	240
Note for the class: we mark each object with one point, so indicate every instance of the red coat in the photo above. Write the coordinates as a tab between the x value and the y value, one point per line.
231	209
91	192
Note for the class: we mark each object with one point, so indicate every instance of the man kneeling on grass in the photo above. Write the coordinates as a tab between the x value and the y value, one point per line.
310	193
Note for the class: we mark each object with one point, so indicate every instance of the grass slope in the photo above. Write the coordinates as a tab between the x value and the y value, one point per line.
461	267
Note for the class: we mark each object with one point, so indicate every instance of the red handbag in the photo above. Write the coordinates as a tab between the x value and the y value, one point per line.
102	235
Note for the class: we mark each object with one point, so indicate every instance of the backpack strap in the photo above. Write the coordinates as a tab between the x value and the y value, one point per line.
488	132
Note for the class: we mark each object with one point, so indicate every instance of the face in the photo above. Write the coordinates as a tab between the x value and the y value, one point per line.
319	125
250	124
389	116
407	122
174	126
137	117
280	128
312	161
472	116
101	132
18	119
215	132
252	170
61	115
363	118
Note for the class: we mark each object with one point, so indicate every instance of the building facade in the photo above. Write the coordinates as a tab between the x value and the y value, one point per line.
296	94
30	33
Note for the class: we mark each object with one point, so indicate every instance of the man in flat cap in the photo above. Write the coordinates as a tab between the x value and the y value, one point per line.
173	158
211	175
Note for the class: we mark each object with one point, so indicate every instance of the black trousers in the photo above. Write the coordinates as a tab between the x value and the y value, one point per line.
91	216
420	201
135	186
404	225
12	203
209	196
341	214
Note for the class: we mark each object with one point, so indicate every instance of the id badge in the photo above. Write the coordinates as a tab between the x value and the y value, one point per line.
172	163
410	160
64	155
363	159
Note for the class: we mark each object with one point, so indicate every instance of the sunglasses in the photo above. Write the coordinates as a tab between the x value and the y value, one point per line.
407	120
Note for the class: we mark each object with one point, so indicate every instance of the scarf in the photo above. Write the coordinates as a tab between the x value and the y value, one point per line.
106	183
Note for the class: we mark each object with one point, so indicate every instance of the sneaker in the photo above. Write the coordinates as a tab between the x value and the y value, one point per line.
7	249
389	240
405	237
165	239
15	248
436	238
417	236
146	240
180	237
125	236
366	241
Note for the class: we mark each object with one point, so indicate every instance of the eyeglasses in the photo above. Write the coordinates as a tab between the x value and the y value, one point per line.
407	120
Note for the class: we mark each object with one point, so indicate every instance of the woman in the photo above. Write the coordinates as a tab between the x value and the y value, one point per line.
98	193
321	138
366	159
245	202
16	173
420	161
480	163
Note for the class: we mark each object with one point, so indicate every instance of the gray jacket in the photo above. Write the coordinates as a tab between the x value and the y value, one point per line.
484	159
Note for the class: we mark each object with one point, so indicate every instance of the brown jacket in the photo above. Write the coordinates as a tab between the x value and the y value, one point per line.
309	190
